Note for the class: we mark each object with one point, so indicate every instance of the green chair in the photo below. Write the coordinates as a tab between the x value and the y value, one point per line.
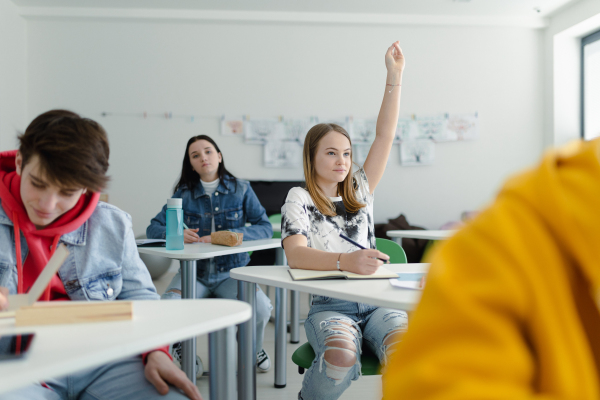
304	355
276	219
392	249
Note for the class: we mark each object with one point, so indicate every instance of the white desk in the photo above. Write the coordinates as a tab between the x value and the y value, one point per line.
420	234
378	292
59	350
188	257
201	251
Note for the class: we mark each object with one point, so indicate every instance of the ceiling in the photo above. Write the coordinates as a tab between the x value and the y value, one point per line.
452	8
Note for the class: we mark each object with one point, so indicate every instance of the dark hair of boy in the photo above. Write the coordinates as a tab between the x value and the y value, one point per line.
191	178
72	151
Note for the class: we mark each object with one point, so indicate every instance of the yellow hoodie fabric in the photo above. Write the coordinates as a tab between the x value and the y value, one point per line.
510	308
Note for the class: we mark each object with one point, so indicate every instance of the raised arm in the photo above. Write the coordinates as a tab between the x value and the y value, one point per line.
387	120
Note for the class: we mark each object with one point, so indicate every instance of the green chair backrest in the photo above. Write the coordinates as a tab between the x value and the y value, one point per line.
276	219
392	249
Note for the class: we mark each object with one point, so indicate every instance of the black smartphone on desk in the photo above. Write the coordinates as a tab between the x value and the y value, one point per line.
15	346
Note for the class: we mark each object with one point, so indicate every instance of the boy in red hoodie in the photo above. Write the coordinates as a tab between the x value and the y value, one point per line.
49	191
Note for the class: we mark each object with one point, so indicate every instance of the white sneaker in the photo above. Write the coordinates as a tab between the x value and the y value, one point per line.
263	362
176	350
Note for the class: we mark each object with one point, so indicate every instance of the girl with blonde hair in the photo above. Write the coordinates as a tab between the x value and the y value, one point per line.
337	201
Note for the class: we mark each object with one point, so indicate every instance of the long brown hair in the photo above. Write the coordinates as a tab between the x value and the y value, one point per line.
346	188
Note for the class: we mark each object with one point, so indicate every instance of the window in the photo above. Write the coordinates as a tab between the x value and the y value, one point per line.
590	86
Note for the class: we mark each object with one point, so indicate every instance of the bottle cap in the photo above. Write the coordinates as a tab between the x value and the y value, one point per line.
174	203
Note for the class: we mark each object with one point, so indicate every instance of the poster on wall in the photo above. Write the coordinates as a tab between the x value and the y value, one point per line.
360	153
297	128
232	126
259	131
344	122
462	126
283	154
363	131
417	152
433	127
406	129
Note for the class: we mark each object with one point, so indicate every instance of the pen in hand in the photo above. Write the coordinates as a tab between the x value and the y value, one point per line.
360	246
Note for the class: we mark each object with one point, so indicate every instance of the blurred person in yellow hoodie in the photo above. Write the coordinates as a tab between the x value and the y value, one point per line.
511	305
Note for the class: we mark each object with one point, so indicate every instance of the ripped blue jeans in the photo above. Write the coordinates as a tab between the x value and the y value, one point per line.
341	327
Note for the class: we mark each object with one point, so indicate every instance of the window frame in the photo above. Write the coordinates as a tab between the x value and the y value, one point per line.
591	38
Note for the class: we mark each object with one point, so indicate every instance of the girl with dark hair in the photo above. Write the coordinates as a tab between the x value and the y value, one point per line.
214	200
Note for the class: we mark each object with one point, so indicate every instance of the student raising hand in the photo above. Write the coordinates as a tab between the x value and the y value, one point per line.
394	59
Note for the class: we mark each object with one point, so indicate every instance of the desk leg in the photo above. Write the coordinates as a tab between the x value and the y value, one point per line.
280	337
247	345
294	316
222	364
398	240
188	291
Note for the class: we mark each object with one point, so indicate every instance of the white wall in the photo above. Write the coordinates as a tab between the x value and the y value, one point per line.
563	69
270	69
13	67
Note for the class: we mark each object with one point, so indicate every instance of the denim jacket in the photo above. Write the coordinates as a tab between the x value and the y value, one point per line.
232	205
103	261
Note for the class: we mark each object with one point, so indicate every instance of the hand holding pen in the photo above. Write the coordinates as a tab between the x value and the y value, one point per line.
364	261
191	236
346	238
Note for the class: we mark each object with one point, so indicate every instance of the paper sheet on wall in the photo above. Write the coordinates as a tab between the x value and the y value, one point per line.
417	152
363	131
259	131
232	126
406	129
344	122
297	128
360	153
434	128
283	154
462	126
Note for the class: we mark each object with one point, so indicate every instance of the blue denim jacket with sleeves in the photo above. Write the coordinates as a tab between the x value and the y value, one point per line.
103	261
231	205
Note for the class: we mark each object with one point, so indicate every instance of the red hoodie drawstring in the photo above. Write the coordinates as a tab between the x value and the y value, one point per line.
46	295
18	249
19	268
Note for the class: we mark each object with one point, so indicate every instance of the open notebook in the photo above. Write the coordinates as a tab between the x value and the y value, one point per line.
308	274
16	301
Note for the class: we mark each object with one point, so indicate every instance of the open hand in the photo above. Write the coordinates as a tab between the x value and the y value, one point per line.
394	59
364	262
160	371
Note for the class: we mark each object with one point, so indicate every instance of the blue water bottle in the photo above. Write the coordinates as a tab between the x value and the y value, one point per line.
174	224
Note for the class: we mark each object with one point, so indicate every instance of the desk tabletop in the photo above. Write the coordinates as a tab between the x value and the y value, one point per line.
58	350
378	292
200	251
420	234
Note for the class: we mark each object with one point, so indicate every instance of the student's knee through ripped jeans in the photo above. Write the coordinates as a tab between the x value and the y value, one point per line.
342	348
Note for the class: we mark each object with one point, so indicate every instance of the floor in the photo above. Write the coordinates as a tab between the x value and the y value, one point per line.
366	388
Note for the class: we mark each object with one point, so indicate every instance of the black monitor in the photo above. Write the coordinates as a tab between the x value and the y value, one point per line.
272	194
